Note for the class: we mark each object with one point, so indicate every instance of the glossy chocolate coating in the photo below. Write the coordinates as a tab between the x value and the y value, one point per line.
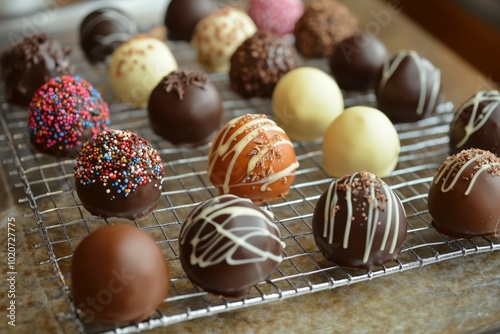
356	62
464	196
118	174
408	87
477	123
30	63
185	108
119	275
183	15
359	222
228	244
259	63
103	30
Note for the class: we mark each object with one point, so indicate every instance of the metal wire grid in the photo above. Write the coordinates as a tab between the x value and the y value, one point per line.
63	223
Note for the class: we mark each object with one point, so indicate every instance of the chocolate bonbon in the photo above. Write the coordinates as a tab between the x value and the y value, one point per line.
182	16
277	16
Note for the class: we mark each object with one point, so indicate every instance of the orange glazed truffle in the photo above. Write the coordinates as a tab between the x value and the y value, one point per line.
252	157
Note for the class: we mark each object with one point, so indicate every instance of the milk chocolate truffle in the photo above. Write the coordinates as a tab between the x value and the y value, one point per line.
252	157
356	62
359	222
305	101
118	174
103	30
228	245
477	123
136	68
219	34
324	24
408	88
30	63
64	113
464	195
183	15
277	16
361	138
119	275
259	63
185	108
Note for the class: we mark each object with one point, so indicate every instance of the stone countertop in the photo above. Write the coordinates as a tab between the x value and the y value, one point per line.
460	295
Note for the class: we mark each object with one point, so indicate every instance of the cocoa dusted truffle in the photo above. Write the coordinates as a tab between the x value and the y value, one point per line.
228	244
324	24
258	64
118	174
252	157
64	113
185	108
30	63
182	16
464	196
408	87
119	275
103	30
477	123
359	222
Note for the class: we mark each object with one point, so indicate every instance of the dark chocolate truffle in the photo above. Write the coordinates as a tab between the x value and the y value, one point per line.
408	87
464	197
64	113
185	108
258	64
103	30
30	63
359	222
118	174
324	24
228	244
182	16
477	123
357	60
119	275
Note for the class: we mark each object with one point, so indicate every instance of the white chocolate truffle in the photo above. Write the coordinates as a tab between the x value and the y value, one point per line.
361	138
136	68
305	101
219	34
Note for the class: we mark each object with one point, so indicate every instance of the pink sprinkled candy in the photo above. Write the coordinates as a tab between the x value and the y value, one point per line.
277	16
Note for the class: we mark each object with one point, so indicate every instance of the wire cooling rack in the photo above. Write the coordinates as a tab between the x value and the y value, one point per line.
62	222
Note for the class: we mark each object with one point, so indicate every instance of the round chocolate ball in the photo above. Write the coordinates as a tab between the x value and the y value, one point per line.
277	16
357	60
103	30
119	275
185	108
477	123
182	16
359	222
408	87
228	244
464	195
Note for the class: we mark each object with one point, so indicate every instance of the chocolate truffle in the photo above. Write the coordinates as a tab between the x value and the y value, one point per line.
356	62
219	34
30	63
136	68
103	30
477	123
64	113
324	24
408	87
258	64
464	195
277	16
185	108
305	101
359	222
228	244
183	15
361	138
118	174
252	157
119	275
